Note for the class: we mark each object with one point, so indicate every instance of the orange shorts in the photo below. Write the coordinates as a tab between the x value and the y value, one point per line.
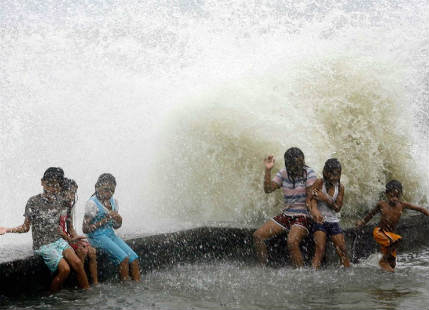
385	239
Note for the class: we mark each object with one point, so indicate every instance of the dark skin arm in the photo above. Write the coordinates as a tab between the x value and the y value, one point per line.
336	204
410	206
269	185
89	228
312	205
19	229
369	216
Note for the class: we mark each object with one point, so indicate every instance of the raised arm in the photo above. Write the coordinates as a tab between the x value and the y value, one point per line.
410	206
369	216
269	185
19	229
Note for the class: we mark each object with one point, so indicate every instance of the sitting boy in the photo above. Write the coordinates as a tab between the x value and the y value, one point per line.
42	212
391	211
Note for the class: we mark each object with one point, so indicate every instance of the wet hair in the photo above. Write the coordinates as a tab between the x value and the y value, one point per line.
55	174
394	185
291	156
105	178
330	165
69	184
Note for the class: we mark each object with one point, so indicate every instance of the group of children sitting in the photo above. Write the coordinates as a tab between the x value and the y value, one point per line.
311	207
50	214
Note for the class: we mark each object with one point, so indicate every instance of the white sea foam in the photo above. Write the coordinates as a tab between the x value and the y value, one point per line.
181	101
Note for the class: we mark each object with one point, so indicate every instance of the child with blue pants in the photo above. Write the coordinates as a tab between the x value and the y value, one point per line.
101	217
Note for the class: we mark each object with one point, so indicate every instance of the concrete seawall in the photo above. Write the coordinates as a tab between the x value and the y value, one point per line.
29	276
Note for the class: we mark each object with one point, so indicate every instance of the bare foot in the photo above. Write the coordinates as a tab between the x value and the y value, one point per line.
385	266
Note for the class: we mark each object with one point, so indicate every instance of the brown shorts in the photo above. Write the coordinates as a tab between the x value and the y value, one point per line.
287	221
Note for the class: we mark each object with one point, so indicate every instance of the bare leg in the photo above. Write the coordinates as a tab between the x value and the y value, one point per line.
320	242
92	264
124	270
266	231
340	247
134	270
63	272
390	258
296	234
76	264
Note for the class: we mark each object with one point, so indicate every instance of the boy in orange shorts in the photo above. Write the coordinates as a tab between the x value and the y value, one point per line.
391	211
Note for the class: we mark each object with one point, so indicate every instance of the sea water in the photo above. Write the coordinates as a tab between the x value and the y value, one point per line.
226	285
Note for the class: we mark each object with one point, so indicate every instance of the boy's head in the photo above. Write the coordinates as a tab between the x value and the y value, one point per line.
393	190
53	180
105	186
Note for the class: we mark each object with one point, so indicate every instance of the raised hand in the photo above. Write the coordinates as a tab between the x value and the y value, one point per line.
269	162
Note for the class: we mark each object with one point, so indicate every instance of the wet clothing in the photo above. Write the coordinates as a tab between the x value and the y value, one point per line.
385	239
44	215
295	194
330	225
65	214
329	214
52	253
329	228
104	237
287	221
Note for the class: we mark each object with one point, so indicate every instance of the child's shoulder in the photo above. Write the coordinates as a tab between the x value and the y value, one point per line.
34	199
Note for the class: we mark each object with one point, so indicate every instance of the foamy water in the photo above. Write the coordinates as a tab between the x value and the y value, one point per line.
181	102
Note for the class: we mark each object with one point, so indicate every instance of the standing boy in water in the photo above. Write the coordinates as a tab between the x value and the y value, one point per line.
42	212
391	211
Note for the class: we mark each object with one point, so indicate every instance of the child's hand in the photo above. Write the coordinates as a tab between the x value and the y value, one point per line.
319	195
114	216
359	224
269	162
3	230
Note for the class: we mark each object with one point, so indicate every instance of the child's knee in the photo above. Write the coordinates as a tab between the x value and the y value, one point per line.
293	244
258	236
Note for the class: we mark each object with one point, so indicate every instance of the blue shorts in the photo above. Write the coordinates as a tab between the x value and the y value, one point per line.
52	253
114	246
330	228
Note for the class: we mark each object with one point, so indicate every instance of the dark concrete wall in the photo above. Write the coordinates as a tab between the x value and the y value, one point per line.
30	276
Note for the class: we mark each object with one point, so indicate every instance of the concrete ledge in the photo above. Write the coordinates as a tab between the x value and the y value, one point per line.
30	276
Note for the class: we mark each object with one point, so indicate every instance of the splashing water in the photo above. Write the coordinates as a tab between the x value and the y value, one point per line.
181	101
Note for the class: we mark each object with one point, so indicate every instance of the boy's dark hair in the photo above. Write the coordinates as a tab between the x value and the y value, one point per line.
330	165
68	184
105	178
394	185
54	173
290	157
